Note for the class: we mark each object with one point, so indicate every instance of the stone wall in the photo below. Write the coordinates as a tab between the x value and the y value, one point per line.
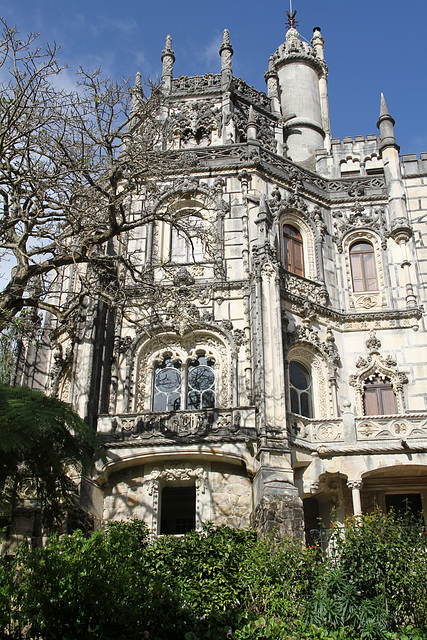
231	494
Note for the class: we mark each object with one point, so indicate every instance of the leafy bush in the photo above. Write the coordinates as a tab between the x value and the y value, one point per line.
374	582
219	583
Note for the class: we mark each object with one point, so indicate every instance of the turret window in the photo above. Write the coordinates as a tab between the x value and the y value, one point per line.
293	256
363	267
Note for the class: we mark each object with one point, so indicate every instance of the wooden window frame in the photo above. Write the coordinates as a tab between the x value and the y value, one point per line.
293	250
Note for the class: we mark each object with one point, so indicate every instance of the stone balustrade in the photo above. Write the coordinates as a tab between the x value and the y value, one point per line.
224	423
350	430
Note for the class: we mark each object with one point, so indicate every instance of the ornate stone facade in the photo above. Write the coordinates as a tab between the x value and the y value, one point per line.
276	359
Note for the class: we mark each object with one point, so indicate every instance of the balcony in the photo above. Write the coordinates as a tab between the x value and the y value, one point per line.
406	431
211	424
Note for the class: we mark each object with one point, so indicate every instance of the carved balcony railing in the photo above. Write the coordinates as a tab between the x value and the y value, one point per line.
222	424
294	285
398	432
401	427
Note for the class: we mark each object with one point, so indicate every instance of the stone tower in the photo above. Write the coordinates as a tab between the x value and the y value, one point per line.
282	377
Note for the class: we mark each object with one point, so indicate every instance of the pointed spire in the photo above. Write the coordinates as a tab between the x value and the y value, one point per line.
168	58
137	93
225	44
226	53
386	126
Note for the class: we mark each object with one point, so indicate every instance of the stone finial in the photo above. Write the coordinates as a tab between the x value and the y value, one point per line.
373	343
137	84
226	53
317	42
168	58
225	44
137	92
251	116
386	126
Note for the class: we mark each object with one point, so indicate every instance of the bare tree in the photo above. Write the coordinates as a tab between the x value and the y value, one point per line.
69	164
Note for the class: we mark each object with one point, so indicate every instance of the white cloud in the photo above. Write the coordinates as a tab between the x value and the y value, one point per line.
211	50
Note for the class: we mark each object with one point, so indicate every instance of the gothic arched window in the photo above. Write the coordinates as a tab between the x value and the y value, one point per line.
301	389
363	267
379	397
293	256
187	386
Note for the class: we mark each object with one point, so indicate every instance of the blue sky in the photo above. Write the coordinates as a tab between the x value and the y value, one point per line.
369	47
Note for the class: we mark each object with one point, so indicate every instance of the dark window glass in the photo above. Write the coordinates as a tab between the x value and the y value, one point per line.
178	510
379	398
293	257
301	389
201	384
167	386
363	267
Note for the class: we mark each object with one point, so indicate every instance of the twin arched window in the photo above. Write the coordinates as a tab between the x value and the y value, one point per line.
189	386
293	256
363	267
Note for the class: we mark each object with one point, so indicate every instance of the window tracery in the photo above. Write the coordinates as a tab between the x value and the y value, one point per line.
300	384
190	385
190	372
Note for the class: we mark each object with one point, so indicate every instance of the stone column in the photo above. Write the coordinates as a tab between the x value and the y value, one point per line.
355	487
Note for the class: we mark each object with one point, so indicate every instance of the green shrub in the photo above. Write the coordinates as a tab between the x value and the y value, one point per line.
219	583
375	581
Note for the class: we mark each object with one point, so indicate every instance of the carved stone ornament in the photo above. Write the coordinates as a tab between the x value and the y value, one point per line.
382	367
265	125
306	333
208	83
192	123
60	373
176	424
358	218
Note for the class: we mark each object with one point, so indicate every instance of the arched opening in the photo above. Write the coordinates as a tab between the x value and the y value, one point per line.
293	253
300	383
363	267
